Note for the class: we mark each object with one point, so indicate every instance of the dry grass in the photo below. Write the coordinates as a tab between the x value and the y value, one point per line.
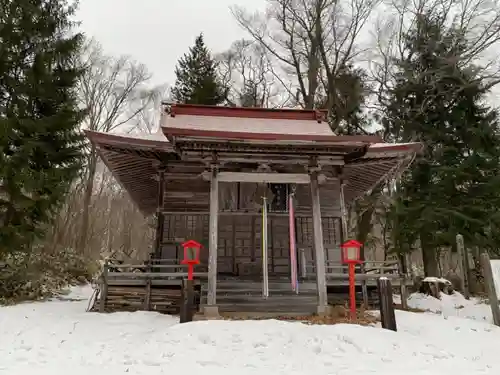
339	315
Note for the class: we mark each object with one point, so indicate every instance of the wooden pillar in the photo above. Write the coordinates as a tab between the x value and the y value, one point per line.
318	246
159	214
147	296
211	308
489	283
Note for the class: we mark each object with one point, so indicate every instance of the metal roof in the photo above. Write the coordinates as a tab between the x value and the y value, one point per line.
132	157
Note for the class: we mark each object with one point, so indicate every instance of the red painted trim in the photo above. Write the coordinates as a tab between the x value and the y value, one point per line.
264	113
177	132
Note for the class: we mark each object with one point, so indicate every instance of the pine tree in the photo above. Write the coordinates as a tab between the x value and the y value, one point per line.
453	188
197	81
40	141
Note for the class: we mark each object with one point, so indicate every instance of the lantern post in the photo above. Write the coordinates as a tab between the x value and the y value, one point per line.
191	258
351	255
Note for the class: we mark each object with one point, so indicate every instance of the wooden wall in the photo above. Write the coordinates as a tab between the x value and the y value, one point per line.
239	243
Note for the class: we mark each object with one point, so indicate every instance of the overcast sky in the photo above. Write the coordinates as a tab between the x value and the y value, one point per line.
158	32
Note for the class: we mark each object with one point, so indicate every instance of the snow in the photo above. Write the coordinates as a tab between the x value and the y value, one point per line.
157	136
384	145
59	337
454	305
433	279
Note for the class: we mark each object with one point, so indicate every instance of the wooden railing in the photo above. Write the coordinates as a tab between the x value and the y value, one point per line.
154	269
121	279
152	272
338	270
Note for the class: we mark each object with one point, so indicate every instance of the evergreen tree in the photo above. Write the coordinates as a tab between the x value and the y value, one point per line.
40	141
197	81
454	187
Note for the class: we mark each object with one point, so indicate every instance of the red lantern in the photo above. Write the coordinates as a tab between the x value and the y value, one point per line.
351	255
351	252
191	255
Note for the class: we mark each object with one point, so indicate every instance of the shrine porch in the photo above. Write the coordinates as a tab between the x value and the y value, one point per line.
157	287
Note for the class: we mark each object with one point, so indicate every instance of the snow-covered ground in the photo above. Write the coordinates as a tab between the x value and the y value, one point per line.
454	305
59	337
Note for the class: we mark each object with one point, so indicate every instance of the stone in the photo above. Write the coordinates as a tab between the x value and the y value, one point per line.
211	311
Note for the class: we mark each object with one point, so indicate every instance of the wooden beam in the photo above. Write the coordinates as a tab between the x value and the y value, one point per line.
212	247
318	246
281	159
301	213
182	176
282	178
181	194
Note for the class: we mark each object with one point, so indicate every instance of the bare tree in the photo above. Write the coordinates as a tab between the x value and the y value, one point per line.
314	42
117	227
247	70
114	91
147	120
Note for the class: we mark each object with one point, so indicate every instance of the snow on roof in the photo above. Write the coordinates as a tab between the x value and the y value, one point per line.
246	120
247	125
156	136
385	145
155	140
381	150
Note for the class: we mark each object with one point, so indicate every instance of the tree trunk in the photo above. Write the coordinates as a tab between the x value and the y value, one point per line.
364	227
87	200
431	266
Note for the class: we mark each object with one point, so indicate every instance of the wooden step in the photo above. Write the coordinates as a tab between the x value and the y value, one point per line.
271	298
305	309
258	286
259	292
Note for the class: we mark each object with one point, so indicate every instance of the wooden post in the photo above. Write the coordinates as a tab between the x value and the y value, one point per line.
187	301
404	293
490	287
303	263
318	246
364	288
403	275
104	288
462	259
387	314
212	247
147	296
159	213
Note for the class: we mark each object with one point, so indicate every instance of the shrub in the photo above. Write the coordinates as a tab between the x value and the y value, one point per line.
38	275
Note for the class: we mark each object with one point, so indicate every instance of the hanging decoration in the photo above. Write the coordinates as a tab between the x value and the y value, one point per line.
265	267
293	250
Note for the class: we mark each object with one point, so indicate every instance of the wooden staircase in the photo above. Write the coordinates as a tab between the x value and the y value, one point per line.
246	296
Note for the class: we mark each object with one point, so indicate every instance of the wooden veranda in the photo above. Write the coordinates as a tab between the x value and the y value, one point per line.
204	175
